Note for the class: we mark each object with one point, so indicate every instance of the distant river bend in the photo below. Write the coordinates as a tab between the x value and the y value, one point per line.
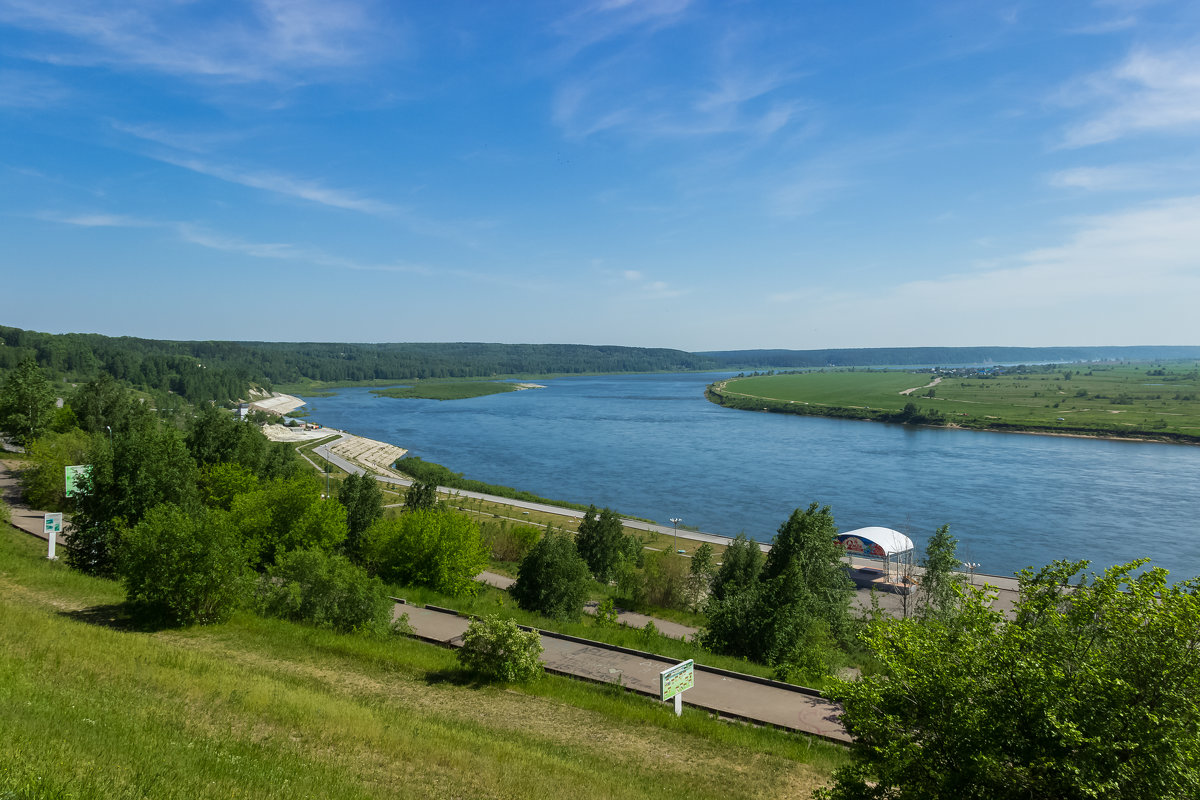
652	446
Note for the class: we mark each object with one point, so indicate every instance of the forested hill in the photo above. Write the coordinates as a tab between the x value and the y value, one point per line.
221	371
943	356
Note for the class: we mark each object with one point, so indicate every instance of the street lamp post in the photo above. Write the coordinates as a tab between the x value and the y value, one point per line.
675	521
970	566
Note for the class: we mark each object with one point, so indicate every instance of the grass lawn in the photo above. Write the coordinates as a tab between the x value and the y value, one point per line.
90	707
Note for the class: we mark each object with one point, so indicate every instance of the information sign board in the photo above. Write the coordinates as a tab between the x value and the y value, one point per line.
52	526
677	679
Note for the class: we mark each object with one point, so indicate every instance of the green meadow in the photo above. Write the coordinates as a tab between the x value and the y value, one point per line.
93	707
446	390
1120	400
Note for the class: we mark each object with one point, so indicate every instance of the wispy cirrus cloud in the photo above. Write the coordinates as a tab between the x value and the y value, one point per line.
202	236
279	183
265	40
20	89
97	220
606	19
1126	177
1150	91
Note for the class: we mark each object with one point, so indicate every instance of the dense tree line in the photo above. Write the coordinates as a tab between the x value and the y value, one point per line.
222	371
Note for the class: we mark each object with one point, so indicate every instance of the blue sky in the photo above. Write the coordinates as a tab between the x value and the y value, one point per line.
660	173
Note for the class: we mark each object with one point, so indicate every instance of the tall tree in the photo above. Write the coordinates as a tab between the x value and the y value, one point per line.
740	566
938	589
806	557
788	614
421	496
26	403
101	404
601	542
552	578
133	471
363	499
700	575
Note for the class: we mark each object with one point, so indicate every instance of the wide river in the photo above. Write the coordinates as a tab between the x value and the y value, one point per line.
651	446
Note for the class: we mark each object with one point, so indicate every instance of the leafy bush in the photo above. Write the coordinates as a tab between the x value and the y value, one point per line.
5	513
666	580
552	579
183	566
326	590
289	514
509	542
49	455
498	650
440	549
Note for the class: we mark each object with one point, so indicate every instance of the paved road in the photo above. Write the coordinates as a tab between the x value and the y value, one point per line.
729	696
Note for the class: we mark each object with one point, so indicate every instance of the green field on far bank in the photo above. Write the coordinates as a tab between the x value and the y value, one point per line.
1158	401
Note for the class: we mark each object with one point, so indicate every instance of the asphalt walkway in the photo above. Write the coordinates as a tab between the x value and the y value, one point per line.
730	695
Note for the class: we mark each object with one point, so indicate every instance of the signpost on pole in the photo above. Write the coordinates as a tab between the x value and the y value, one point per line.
674	681
52	526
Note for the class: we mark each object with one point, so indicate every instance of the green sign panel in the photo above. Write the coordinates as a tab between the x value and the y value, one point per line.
677	679
74	476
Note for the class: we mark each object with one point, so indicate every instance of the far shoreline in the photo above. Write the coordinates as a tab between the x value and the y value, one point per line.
713	393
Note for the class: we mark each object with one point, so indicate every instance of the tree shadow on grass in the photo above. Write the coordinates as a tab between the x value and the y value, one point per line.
455	676
117	617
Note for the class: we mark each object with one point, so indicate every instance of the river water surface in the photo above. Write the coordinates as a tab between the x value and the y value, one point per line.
651	446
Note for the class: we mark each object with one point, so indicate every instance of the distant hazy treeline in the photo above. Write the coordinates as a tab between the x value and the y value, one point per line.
942	356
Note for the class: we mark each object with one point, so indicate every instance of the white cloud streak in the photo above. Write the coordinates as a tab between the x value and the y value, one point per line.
1150	91
267	40
286	185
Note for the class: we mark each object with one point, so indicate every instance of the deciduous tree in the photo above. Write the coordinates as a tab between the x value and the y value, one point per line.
601	542
437	548
552	578
363	499
26	403
938	591
1090	691
184	566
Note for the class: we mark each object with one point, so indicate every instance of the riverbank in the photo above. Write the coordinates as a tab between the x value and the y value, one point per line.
933	414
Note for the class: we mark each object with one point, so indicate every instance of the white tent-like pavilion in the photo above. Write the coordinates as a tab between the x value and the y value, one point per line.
883	544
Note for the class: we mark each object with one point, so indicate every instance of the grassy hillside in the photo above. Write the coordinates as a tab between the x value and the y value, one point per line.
254	708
